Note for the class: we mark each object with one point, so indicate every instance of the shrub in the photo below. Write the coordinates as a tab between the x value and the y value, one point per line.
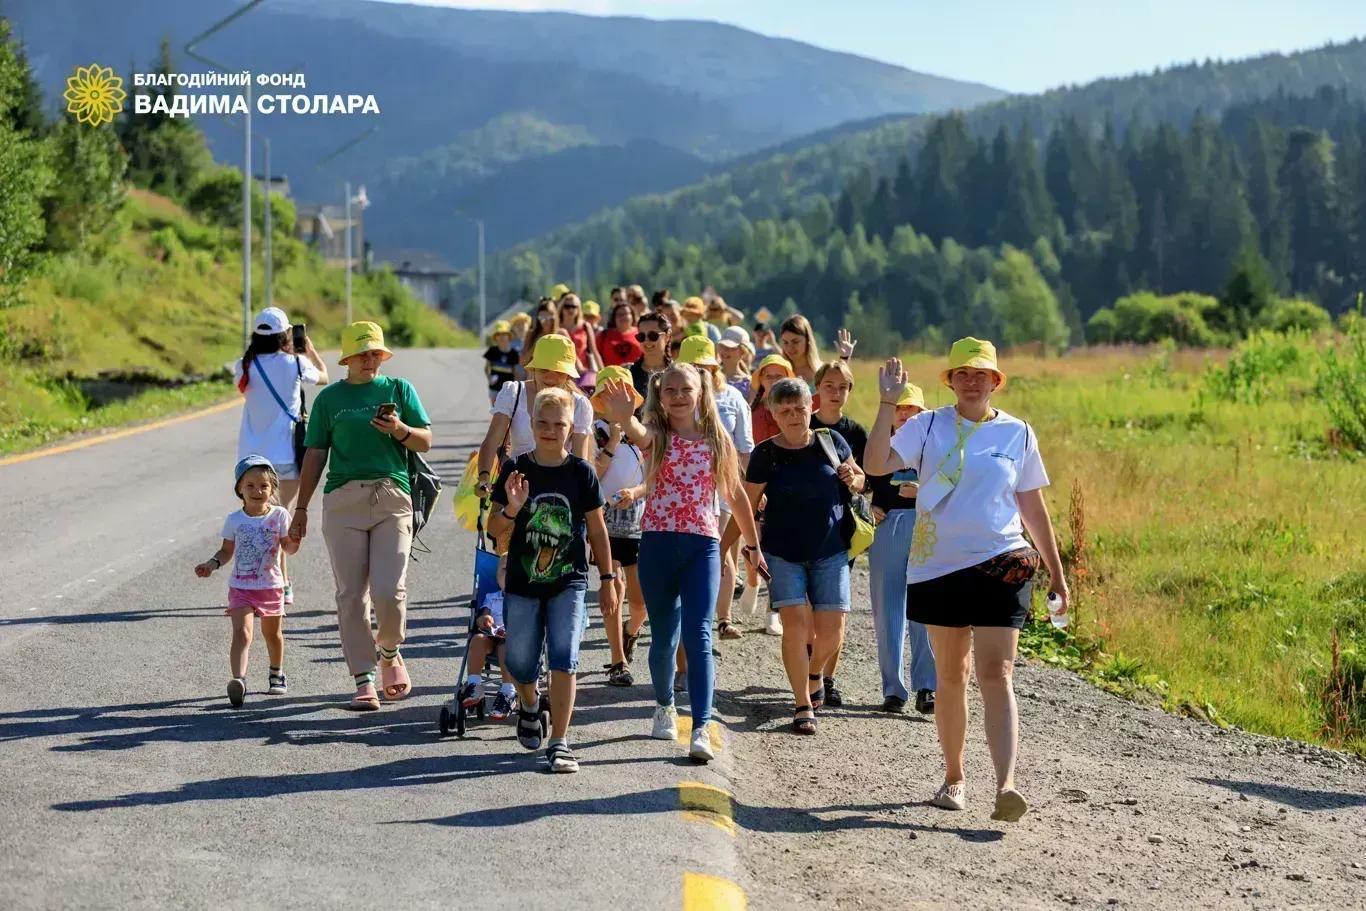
1341	383
1256	364
166	243
1288	313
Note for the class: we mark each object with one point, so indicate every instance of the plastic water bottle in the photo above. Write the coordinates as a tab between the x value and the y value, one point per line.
1056	615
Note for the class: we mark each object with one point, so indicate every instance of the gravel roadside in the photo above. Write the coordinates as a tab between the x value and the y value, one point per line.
1130	807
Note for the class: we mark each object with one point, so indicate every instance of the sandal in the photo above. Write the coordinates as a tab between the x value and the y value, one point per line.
629	643
619	675
395	678
530	733
365	699
804	720
729	630
817	695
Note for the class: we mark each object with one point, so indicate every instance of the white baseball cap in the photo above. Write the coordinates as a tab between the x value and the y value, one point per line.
735	337
271	321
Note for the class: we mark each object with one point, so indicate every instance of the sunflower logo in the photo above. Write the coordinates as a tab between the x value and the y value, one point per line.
94	94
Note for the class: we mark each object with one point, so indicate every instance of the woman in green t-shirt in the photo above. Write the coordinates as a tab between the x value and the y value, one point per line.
364	427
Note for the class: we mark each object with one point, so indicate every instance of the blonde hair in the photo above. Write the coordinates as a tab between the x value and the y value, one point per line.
839	367
800	325
553	397
725	464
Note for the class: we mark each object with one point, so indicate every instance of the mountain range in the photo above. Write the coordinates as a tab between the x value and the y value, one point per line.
528	120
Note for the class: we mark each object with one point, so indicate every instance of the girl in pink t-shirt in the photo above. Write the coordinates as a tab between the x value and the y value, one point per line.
253	539
692	463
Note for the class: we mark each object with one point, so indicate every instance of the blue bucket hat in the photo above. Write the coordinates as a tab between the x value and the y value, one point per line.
250	462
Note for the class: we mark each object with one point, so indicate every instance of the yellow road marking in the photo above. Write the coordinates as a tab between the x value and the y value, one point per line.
120	434
712	893
707	803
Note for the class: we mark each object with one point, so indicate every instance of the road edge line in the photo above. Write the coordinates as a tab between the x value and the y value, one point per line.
111	436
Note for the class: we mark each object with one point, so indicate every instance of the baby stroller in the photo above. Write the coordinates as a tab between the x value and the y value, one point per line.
453	715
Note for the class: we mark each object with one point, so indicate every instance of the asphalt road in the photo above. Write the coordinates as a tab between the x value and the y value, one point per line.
130	781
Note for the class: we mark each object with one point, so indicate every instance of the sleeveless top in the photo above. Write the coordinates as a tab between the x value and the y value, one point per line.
683	498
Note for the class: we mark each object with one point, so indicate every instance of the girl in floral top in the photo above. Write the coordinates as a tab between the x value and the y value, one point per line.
692	462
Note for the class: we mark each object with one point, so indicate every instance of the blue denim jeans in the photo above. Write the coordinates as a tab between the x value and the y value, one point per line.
887	584
679	576
557	623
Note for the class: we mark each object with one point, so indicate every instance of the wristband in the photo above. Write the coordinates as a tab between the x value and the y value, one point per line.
406	435
607	577
504	513
217	563
885	402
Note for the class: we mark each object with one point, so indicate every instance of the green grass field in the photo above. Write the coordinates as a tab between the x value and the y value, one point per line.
1222	529
150	328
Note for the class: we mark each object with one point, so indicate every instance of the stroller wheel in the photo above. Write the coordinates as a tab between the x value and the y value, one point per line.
460	720
446	721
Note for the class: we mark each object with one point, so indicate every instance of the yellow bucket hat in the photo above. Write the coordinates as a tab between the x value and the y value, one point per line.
699	351
559	291
694	307
614	374
554	352
522	319
773	360
976	353
591	308
502	327
361	337
913	395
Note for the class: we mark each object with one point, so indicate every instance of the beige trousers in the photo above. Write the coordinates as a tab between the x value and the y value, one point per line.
368	527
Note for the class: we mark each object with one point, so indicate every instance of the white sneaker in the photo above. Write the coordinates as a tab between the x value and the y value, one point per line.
665	723
951	797
749	602
775	624
700	750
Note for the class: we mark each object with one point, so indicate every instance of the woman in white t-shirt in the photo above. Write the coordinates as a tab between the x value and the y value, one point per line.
270	363
553	364
970	569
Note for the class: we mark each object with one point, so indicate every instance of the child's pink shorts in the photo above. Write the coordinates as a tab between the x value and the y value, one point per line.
263	602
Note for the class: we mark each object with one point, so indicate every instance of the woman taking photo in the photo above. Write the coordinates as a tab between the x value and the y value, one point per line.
798	342
271	375
894	509
551	366
971	568
803	540
691	464
362	430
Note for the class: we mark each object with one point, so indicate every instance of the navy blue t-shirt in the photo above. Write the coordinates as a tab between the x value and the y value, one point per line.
548	550
805	507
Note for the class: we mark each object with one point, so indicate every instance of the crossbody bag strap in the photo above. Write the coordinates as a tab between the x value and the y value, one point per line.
921	469
303	405
828	446
265	377
516	402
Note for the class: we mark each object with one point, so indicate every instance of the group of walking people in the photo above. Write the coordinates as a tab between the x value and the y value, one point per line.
691	464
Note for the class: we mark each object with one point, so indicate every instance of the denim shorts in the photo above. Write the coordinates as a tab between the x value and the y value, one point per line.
557	622
823	582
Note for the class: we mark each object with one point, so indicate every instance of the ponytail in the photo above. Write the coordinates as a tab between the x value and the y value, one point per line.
259	344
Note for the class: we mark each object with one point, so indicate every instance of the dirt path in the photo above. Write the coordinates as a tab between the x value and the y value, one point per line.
1131	807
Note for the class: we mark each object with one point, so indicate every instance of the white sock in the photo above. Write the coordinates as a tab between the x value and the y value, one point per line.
508	690
555	740
476	679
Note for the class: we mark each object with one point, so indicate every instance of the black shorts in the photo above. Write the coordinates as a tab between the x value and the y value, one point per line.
969	597
625	551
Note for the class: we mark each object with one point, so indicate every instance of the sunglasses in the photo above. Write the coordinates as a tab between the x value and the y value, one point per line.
653	336
564	307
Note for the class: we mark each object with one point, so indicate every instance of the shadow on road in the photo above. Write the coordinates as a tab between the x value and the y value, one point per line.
1299	798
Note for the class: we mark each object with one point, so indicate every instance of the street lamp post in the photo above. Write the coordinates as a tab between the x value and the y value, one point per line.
268	253
361	201
483	306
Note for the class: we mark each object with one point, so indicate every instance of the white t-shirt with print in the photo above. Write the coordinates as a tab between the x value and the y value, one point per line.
978	518
256	548
266	429
520	440
735	417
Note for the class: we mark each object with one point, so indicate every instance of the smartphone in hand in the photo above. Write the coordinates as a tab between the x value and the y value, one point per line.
300	338
388	409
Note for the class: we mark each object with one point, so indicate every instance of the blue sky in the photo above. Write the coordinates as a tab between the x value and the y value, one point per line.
1018	45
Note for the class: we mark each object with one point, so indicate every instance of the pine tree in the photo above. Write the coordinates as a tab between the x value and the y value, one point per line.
165	154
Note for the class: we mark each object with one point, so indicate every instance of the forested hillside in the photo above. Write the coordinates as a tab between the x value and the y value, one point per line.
1169	182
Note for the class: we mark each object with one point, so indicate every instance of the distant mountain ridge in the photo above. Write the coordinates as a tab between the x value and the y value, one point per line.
467	94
